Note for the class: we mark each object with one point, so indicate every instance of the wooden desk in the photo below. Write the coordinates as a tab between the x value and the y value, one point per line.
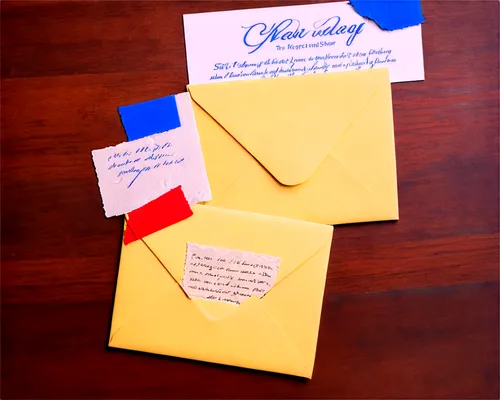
411	308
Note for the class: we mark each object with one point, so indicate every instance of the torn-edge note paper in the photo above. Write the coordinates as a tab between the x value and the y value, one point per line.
390	15
231	276
166	210
134	173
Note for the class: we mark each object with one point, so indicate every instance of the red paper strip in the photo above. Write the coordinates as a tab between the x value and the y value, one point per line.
166	210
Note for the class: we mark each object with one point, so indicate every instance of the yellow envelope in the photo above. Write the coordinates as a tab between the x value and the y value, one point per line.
276	333
317	147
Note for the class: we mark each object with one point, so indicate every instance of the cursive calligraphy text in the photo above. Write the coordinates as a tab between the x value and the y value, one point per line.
261	33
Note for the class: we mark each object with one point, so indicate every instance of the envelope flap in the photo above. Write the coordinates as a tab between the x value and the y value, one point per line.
148	304
289	124
151	312
293	241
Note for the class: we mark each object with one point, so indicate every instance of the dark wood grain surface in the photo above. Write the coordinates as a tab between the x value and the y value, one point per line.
411	308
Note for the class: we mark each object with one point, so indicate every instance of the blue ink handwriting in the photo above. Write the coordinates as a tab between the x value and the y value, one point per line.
142	160
317	63
260	33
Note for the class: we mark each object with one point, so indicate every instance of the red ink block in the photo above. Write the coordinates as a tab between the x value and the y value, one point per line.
166	210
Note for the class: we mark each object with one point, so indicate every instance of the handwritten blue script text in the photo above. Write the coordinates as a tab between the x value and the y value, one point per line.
261	33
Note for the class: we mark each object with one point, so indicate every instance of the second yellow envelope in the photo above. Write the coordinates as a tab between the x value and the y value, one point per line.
276	333
316	147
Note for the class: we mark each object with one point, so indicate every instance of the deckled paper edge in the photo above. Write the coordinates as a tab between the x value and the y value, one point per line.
188	244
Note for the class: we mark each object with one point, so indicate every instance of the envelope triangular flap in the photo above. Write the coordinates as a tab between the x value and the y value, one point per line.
293	241
289	124
152	314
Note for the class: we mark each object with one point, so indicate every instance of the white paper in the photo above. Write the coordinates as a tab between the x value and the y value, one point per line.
134	173
278	41
231	276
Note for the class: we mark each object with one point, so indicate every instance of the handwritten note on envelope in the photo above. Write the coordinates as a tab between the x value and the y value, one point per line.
134	173
277	332
296	40
213	273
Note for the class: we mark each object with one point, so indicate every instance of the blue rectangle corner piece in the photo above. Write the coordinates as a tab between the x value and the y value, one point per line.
390	14
150	117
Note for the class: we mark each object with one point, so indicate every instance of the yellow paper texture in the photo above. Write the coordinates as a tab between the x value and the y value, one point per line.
313	149
276	333
317	147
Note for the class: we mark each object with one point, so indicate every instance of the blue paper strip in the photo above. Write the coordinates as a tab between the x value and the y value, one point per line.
390	15
150	117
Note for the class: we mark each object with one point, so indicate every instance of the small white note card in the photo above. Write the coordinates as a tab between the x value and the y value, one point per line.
134	173
231	276
296	40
